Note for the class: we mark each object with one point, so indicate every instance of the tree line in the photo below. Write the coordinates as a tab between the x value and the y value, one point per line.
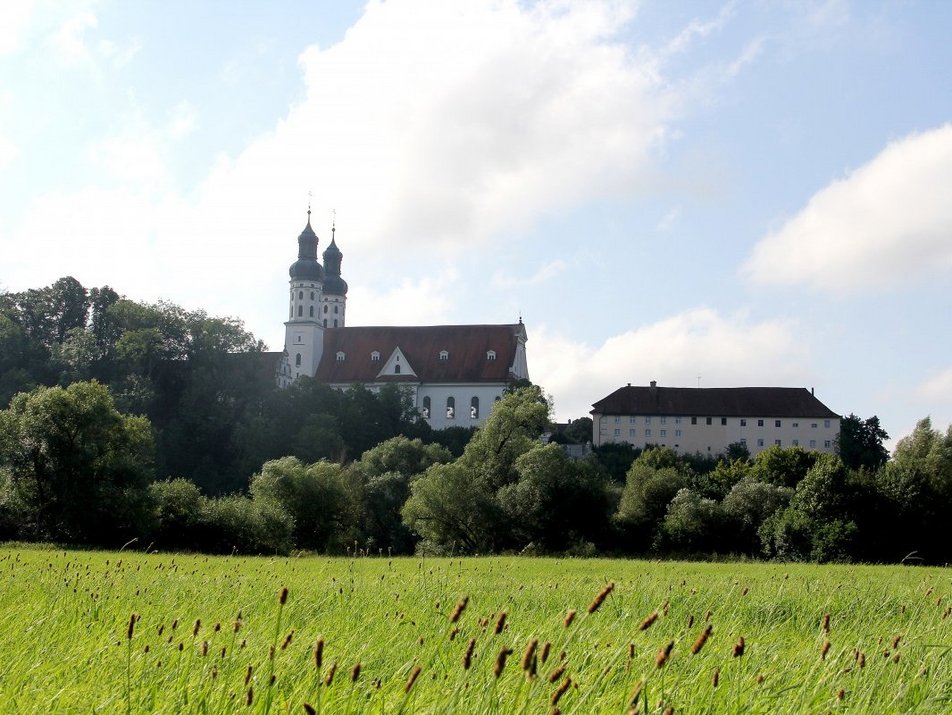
126	420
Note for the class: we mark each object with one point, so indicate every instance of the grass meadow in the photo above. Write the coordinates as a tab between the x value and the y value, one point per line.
90	632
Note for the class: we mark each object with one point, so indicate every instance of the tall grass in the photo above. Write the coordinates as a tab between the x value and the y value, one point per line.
488	635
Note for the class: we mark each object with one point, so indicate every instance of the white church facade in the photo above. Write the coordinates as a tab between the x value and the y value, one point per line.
453	373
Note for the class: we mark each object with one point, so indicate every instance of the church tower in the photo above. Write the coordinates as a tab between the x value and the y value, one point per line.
334	299
304	331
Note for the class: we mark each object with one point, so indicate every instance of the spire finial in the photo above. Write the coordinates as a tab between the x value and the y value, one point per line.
333	222
308	206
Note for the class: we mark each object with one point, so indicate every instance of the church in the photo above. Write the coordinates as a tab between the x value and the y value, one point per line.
453	373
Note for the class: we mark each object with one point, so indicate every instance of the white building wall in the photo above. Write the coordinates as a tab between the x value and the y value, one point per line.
711	435
331	311
303	334
463	395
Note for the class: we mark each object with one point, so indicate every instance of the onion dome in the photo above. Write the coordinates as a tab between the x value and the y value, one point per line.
333	283
306	266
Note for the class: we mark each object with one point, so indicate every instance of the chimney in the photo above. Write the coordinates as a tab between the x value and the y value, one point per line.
653	384
811	391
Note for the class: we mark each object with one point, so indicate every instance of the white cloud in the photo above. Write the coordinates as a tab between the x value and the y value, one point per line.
8	152
725	351
886	223
669	220
14	19
69	40
937	388
183	120
546	272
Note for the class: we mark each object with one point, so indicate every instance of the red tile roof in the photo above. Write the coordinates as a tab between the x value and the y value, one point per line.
467	346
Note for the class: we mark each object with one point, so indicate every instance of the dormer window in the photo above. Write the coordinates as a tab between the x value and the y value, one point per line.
444	355
340	356
375	356
396	369
491	355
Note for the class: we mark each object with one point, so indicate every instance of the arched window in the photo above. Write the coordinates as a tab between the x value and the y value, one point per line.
312	295
396	369
450	408
335	322
335	310
311	311
300	310
297	359
474	408
426	408
300	295
325	307
325	322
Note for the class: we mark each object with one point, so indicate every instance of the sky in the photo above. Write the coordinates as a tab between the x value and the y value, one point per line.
709	194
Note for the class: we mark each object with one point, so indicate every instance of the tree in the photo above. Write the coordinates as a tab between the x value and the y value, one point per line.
320	498
860	443
692	523
80	465
747	506
783	466
652	482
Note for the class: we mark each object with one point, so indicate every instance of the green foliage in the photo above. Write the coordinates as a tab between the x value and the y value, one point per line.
80	466
237	524
860	443
652	482
747	506
783	466
320	498
178	505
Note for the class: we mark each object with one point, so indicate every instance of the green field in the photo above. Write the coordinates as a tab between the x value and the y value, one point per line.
65	625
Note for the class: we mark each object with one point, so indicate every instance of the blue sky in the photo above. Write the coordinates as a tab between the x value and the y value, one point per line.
739	193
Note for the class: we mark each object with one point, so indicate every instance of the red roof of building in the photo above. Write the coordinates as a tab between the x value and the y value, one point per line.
467	347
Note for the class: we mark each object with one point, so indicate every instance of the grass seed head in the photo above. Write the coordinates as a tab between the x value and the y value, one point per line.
414	674
132	626
824	649
701	639
569	617
600	597
715	678
663	655
895	641
546	647
309	709
248	675
283	596
458	611
355	672
826	622
198	624
738	649
561	690
468	655
500	623
556	674
647	623
329	678
500	663
528	654
635	693
319	653
250	697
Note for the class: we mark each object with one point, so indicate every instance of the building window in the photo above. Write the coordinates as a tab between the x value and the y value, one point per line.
796	443
474	408
631	420
777	442
694	420
617	419
444	355
396	369
776	423
375	356
300	295
677	433
647	420
826	443
796	424
631	433
743	441
325	308
450	408
760	423
664	433
491	355
297	360
760	443
426	407
743	423
311	311
664	420
677	420
723	421
325	322
300	338
340	356
813	425
647	433
300	310
708	420
617	432
812	443
335	322
312	295
826	423
336	309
